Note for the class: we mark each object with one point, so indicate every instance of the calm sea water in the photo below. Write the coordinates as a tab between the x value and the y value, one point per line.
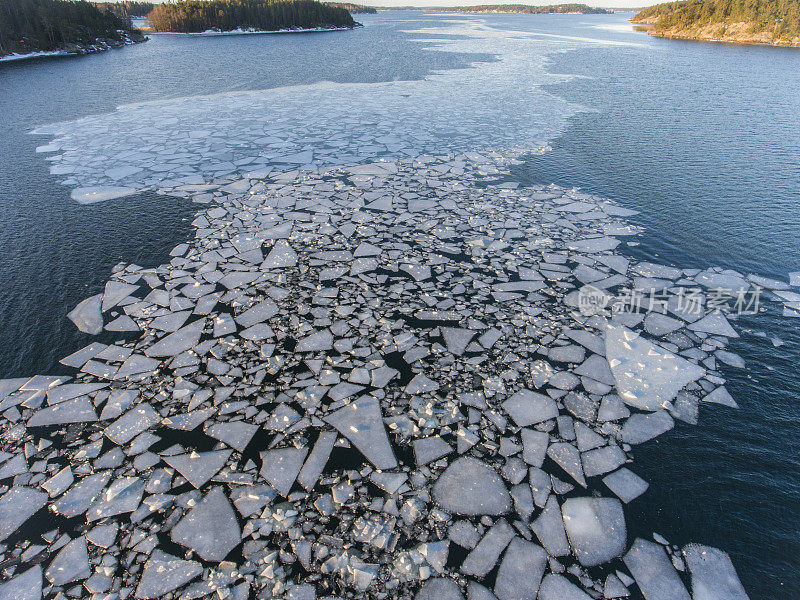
703	139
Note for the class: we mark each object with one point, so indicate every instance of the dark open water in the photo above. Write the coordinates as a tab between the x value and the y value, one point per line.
703	139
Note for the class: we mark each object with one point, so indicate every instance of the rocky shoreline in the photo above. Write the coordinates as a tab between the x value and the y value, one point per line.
100	45
714	37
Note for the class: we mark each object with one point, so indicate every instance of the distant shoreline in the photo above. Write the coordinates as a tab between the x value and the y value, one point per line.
218	33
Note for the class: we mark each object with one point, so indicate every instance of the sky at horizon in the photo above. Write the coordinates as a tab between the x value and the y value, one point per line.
617	4
620	4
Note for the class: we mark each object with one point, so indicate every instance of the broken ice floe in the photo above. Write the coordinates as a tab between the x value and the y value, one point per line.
442	421
190	142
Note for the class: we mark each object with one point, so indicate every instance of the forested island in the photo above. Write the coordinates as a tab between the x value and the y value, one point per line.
355	9
198	16
560	9
774	22
127	9
60	26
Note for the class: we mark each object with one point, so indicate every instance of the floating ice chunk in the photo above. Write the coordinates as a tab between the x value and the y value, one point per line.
103	536
586	437
118	402
171	321
596	367
569	354
528	408
715	324
713	575
344	390
188	421
25	586
9	386
471	487
87	316
421	384
70	564
593	245
198	467
316	342
122	323
361	422
534	446
417	272
363	265
729	358
541	484
647	375
298	158
210	528
766	282
654	573
794	278
626	484
184	339
78	499
721	396
658	324
381	376
164	573
457	339
476	591
258	313
244	242
582	406
15	466
614	588
281	466
118	173
138	419
439	588
567	457
484	556
100	193
115	292
549	528
237	434
429	449
18	505
464	534
727	283
122	496
258	332
556	587
602	460
519	286
640	428
136	364
223	325
282	255
77	410
521	571
612	409
595	528
250	499
366	249
315	464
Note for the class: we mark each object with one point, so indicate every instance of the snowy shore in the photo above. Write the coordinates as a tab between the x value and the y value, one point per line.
217	32
77	51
